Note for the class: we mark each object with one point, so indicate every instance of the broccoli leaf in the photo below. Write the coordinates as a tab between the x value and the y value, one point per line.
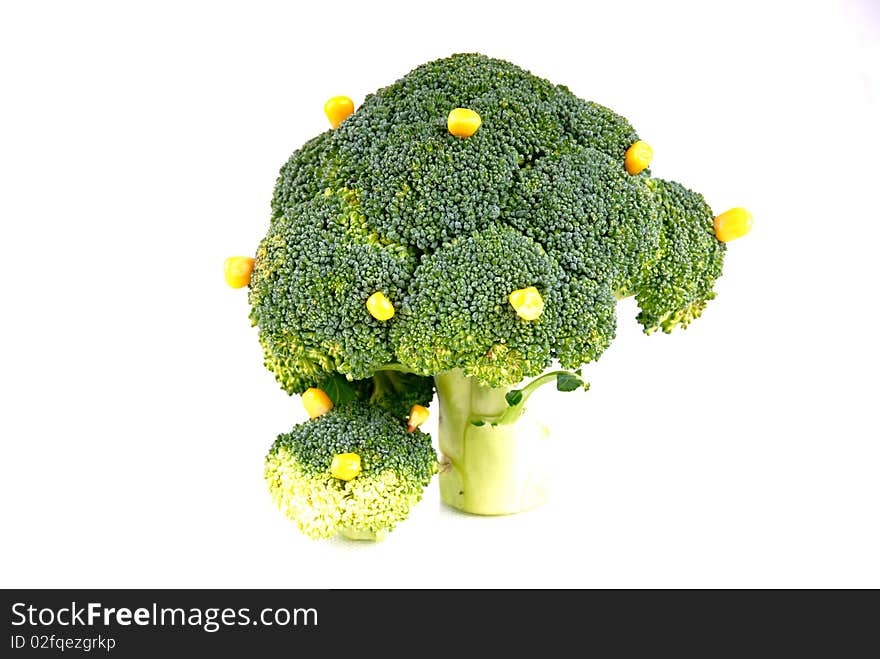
568	381
514	397
338	389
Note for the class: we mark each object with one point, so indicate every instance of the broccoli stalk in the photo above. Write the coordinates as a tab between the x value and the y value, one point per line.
493	460
494	454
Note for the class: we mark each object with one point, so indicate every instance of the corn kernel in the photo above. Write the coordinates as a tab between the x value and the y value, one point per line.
732	224
316	402
237	271
345	466
462	122
379	306
638	157
417	416
527	302
338	109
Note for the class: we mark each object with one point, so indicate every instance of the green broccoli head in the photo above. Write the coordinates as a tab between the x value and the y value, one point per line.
447	228
323	498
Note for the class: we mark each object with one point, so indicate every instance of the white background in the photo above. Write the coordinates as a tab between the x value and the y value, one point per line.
138	148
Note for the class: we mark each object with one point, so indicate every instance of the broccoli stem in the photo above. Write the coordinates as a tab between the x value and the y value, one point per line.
356	534
488	468
386	382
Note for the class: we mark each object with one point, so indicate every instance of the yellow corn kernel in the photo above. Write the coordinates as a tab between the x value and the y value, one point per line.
345	466
732	224
237	270
462	122
316	402
337	109
638	157
417	416
379	306
527	302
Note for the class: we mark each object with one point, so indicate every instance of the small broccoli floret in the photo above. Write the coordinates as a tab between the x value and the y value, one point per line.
394	467
593	125
457	314
303	177
587	322
314	272
427	186
676	284
596	220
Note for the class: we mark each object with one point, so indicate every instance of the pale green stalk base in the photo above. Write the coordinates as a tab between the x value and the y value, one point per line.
488	469
355	534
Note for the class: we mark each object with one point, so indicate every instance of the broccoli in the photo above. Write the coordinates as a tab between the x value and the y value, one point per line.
468	227
674	287
393	467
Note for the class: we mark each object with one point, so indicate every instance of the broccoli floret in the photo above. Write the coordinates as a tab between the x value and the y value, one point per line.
457	313
302	177
593	125
395	468
313	272
587	322
677	282
596	220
